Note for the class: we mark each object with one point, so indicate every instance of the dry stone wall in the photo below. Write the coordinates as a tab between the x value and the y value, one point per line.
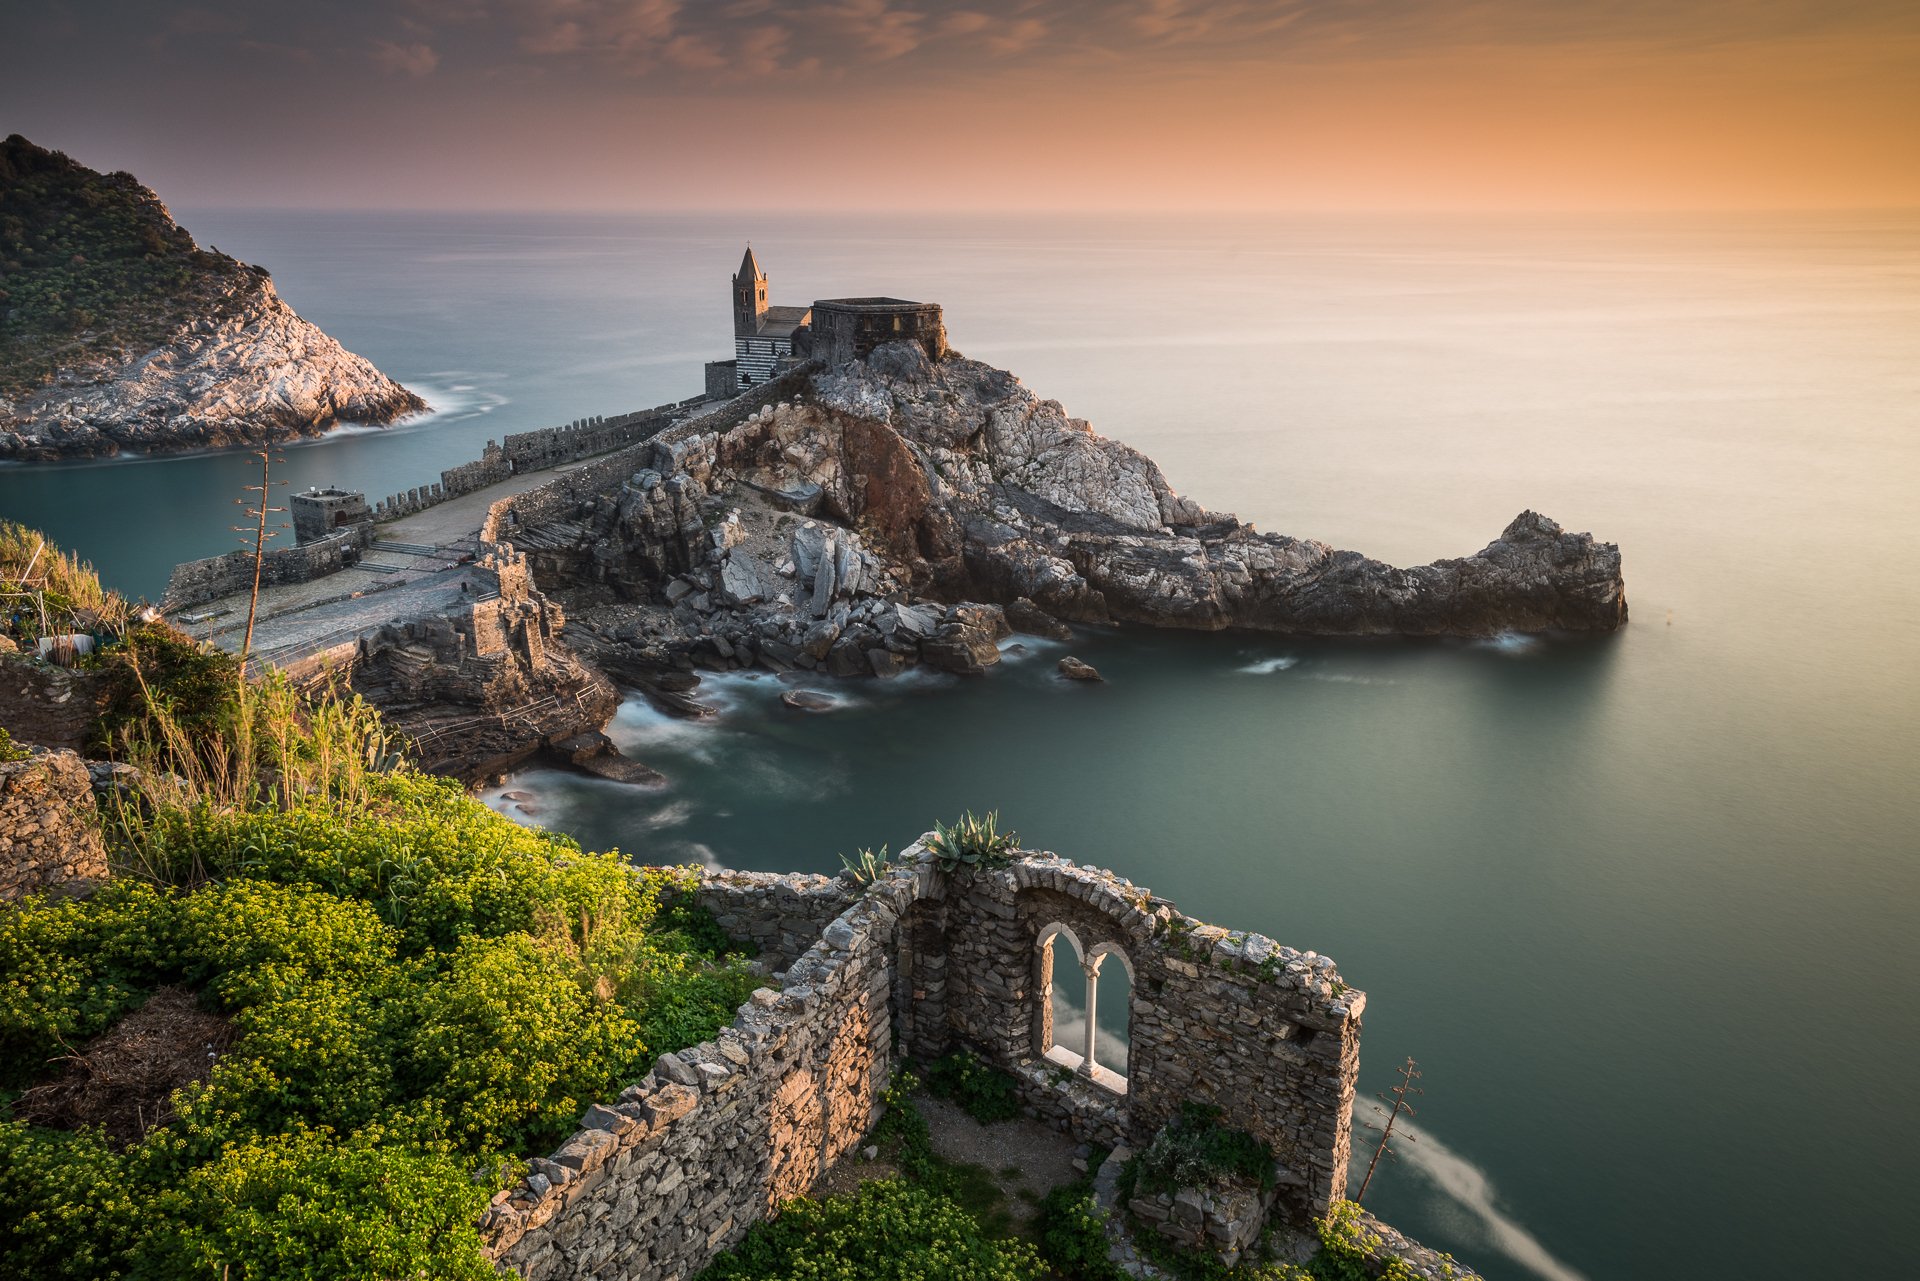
715	1138
50	705
49	826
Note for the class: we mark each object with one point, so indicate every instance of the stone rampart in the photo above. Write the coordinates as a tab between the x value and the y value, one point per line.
198	581
719	1136
536	450
49	826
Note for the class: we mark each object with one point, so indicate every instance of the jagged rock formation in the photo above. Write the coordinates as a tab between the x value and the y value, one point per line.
118	333
482	690
811	531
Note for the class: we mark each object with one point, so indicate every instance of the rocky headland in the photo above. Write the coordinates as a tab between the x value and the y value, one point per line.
119	333
902	509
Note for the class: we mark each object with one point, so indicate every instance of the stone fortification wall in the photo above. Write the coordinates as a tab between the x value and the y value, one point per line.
199	581
848	329
524	451
1269	1035
717	1137
49	827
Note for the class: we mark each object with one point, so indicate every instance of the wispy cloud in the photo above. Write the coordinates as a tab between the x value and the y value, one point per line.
413	59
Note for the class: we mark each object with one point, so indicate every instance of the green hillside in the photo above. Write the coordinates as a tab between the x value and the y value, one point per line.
91	264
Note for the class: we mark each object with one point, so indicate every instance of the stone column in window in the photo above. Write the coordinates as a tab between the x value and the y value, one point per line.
1090	966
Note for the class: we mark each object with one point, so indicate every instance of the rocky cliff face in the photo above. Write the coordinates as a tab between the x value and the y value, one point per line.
899	510
1021	500
248	371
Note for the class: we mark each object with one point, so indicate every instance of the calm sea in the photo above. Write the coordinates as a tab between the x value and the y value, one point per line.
1643	907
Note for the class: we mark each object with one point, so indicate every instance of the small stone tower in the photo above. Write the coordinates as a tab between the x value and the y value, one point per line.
749	296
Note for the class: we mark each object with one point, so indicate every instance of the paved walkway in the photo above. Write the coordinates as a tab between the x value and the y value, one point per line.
414	569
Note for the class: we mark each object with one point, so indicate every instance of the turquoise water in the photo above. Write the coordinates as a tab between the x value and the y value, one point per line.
1641	906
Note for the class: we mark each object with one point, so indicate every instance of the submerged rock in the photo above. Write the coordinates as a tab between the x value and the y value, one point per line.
807	700
1075	670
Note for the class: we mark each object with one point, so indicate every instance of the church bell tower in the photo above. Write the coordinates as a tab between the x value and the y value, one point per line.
749	296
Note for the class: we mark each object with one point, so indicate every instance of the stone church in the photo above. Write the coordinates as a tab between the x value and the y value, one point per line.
769	340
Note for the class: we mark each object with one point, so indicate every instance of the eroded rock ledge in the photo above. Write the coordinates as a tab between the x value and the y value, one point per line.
802	531
247	372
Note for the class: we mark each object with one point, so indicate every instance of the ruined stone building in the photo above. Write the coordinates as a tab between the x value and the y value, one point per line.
769	340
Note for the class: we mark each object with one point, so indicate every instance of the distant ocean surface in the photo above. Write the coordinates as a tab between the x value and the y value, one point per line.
1643	907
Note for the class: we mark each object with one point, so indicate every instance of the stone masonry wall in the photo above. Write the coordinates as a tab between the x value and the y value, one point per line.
524	451
49	828
50	705
1269	1035
718	1136
568	494
198	581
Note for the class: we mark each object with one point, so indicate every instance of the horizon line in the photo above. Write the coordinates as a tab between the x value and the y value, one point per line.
1103	213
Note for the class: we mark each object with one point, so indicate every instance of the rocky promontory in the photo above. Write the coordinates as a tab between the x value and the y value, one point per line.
118	332
903	509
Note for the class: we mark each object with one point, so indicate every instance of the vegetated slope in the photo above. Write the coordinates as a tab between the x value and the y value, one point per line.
117	331
332	999
93	265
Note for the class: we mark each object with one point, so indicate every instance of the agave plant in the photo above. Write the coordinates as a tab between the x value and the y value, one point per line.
972	841
866	867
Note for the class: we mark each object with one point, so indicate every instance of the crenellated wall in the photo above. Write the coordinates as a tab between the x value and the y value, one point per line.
717	1137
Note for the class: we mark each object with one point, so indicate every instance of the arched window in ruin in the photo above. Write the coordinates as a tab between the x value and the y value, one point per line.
1069	1008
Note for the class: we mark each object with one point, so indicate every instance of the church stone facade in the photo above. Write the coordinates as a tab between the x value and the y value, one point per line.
768	340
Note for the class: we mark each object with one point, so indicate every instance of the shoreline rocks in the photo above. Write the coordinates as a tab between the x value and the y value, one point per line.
249	372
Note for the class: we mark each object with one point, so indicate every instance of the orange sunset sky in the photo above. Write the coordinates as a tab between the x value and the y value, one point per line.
995	104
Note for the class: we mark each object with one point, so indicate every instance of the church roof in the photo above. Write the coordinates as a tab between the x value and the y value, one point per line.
749	267
780	322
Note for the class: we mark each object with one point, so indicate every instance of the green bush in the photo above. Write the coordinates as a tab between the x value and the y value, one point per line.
887	1231
1195	1150
68	1206
305	1208
69	968
1073	1240
419	988
984	1093
10	750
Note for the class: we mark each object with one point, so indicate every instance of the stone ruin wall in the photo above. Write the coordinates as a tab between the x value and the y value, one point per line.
50	705
49	826
196	582
716	1137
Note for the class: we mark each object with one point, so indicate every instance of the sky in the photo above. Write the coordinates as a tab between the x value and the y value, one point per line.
1042	105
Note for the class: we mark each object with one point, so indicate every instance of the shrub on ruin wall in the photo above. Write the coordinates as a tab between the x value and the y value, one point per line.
420	988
